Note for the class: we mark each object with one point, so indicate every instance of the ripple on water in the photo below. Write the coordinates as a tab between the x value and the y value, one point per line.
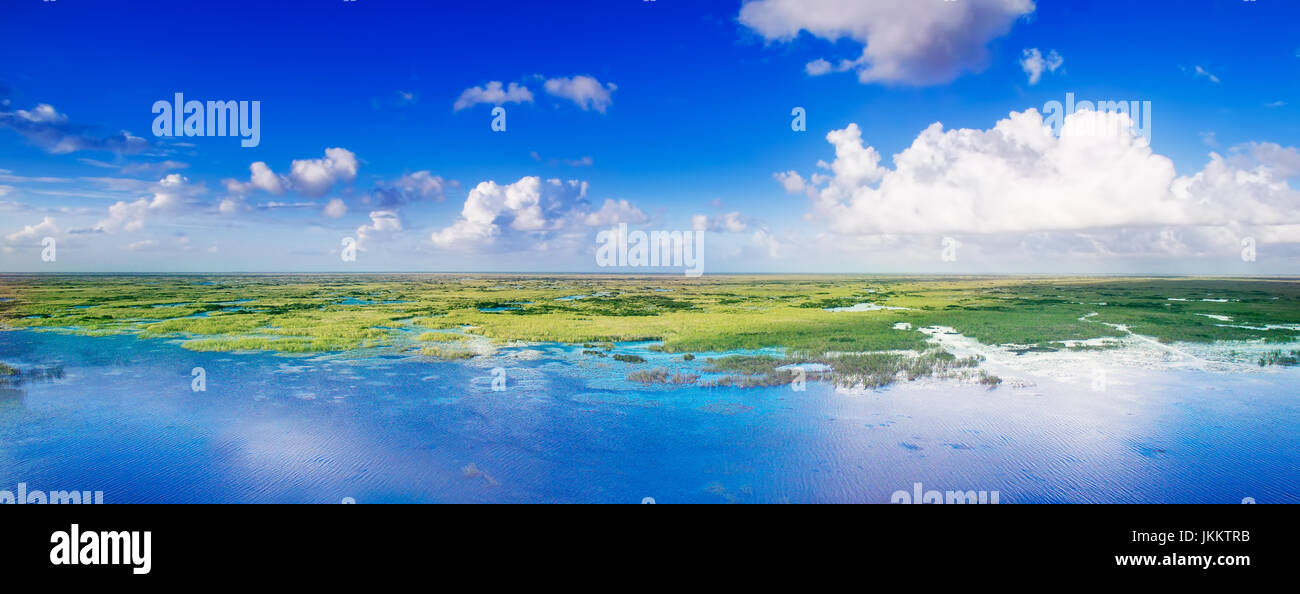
321	429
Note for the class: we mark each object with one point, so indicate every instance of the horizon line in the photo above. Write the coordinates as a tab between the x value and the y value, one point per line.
661	274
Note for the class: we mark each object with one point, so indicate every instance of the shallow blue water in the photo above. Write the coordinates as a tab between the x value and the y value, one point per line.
123	419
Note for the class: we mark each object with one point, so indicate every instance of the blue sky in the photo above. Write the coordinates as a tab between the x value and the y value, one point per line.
662	114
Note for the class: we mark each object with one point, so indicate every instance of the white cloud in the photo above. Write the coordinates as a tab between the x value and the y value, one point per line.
1020	178
275	204
1283	162
260	178
316	177
309	177
792	181
522	214
586	161
124	216
1201	72
43	113
1035	64
8	176
335	208
817	67
45	127
153	168
230	205
263	178
382	224
914	43
171	194
33	234
493	93
411	187
771	245
423	184
585	91
615	212
142	245
732	222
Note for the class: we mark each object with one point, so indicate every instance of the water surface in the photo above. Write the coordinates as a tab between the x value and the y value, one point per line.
122	418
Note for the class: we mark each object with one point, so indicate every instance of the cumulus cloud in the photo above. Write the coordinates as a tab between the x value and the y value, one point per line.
45	127
585	91
773	246
1018	178
791	180
124	216
33	234
383	223
1282	162
171	194
615	212
494	93
817	67
335	208
316	177
911	43
731	222
260	178
231	205
411	187
1035	64
526	213
309	177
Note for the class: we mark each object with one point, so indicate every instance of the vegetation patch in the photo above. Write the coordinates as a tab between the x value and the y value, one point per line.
1280	358
441	337
868	370
662	375
448	352
323	313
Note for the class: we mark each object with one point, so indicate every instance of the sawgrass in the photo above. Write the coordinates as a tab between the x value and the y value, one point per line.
313	313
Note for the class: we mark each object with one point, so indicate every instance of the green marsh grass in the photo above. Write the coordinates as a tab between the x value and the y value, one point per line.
319	313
